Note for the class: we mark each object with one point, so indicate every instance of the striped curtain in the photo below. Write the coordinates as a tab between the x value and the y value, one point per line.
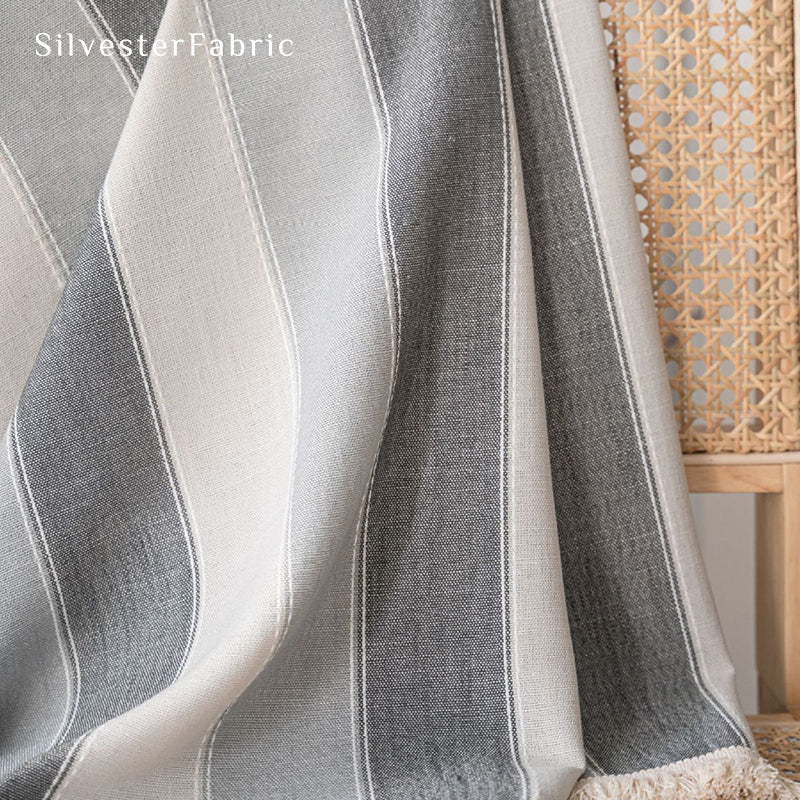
338	457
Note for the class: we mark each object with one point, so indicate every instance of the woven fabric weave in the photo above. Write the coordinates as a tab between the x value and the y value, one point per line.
338	458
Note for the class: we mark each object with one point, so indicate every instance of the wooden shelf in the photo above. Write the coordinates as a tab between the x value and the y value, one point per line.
775	480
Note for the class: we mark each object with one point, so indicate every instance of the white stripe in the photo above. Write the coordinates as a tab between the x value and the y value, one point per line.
594	765
117	50
364	510
500	53
385	179
202	769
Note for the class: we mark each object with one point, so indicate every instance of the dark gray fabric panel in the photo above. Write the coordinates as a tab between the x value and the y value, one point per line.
35	685
435	710
101	498
123	19
642	702
33	779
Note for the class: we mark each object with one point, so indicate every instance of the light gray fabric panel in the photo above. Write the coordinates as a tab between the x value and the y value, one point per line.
61	116
35	689
315	157
31	279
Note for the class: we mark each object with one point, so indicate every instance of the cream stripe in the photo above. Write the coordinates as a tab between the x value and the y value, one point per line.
317	158
228	113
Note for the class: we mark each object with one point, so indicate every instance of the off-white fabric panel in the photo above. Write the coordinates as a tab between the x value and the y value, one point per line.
30	285
215	340
594	105
315	149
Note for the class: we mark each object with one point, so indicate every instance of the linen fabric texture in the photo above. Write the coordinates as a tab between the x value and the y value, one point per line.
339	461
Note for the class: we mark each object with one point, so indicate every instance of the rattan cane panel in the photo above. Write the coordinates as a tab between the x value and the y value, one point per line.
780	745
706	93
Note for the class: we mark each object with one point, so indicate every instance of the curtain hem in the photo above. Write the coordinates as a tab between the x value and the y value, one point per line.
733	773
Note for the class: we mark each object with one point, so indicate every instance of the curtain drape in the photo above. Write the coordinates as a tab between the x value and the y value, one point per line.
339	460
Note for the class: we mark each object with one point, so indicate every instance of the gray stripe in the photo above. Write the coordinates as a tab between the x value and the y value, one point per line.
62	144
38	778
314	152
123	19
34	692
105	508
642	705
435	711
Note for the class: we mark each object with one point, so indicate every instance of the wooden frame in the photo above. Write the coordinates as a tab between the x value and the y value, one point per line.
775	480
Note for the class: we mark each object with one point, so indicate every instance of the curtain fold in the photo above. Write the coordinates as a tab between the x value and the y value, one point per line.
339	459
